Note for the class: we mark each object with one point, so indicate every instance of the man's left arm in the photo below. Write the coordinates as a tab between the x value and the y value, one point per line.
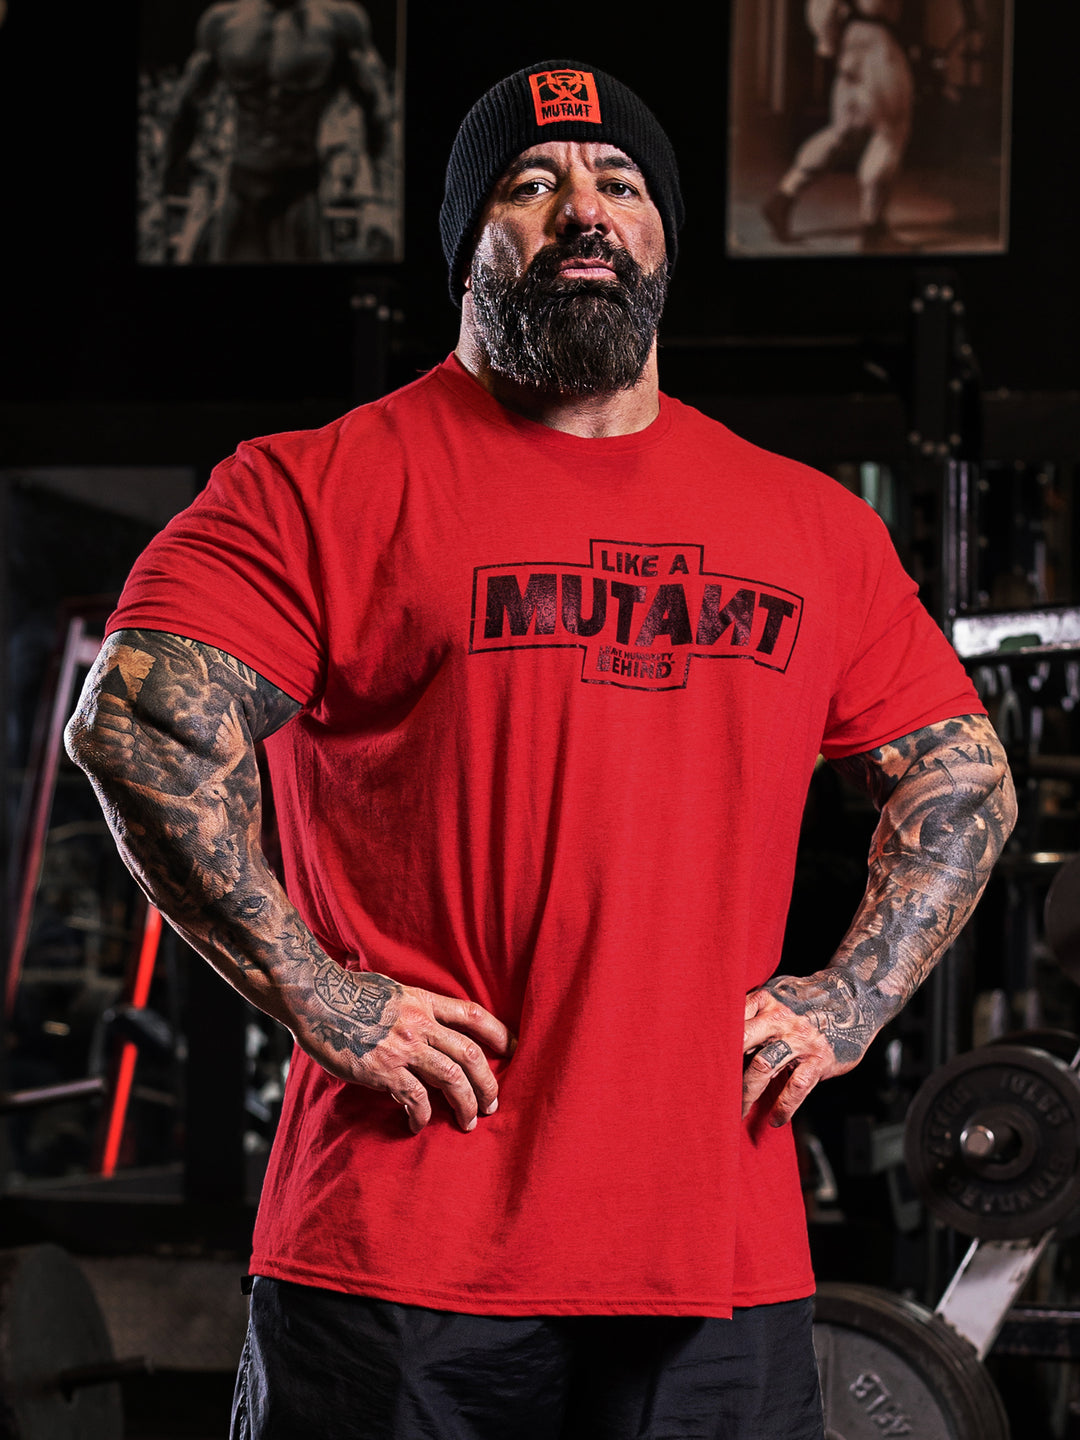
947	806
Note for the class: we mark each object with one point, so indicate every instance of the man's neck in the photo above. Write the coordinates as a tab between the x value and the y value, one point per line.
594	417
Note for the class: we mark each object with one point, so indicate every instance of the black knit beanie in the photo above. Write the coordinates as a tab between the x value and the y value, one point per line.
552	100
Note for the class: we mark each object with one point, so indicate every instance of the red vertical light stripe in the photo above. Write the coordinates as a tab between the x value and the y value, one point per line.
125	1070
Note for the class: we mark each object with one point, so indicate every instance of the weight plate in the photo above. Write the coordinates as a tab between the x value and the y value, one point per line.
50	1323
889	1367
1062	1043
992	1142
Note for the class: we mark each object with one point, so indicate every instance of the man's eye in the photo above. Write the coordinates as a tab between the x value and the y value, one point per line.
620	189
528	188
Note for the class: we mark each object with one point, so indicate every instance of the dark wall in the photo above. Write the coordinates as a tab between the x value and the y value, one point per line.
80	322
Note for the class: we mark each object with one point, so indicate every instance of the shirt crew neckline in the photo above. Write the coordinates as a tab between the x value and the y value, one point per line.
454	375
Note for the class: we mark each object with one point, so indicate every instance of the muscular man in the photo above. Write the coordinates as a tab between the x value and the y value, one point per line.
283	61
869	113
544	661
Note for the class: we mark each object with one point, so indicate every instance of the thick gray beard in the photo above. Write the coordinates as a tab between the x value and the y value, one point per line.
581	337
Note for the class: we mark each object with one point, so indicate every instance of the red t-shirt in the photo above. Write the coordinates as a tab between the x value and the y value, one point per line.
562	700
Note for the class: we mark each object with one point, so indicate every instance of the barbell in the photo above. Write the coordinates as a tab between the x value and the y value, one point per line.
992	1141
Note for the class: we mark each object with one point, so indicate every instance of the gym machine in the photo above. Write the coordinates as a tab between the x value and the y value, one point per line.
991	1139
992	1144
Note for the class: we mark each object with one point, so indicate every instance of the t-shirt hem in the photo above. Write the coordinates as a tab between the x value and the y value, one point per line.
775	1296
952	711
471	1303
264	665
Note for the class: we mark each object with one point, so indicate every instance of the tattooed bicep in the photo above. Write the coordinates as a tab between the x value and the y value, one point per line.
966	741
187	685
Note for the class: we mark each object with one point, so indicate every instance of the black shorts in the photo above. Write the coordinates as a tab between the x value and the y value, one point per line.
320	1364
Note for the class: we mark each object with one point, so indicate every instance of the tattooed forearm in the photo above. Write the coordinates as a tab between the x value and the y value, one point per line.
220	941
165	730
947	807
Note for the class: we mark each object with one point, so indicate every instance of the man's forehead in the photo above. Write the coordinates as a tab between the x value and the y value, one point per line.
555	154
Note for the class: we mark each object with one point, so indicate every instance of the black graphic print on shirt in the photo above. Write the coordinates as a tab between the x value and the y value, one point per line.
640	613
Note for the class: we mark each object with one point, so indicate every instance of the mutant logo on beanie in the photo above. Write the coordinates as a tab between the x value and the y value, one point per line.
565	95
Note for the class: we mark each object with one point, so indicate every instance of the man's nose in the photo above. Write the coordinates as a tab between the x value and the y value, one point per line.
581	210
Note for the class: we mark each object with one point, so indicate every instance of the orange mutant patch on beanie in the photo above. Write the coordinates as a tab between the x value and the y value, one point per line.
565	95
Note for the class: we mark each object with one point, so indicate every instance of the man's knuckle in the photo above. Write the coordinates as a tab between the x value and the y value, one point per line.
449	1071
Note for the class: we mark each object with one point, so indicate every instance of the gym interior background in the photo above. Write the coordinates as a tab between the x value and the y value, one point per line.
943	387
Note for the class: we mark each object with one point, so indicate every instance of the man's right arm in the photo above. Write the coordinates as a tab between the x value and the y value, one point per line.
165	730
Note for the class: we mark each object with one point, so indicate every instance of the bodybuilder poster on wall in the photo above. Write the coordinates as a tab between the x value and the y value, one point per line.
270	133
869	127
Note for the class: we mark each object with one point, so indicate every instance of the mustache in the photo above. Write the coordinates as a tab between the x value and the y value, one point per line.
546	264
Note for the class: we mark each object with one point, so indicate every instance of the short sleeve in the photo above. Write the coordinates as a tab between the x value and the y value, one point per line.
239	570
901	674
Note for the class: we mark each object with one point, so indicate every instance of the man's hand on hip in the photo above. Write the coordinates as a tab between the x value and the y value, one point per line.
800	1030
369	1030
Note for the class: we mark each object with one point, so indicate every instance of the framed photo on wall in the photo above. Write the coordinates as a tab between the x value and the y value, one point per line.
869	127
270	133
